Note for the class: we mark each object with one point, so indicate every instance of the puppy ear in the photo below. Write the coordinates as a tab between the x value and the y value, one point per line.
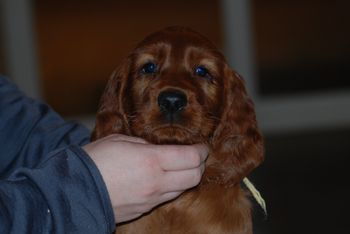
237	145
111	116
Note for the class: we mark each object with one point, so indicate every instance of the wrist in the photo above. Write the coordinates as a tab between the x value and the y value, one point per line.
100	184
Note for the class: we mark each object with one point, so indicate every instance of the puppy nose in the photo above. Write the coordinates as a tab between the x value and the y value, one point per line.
172	101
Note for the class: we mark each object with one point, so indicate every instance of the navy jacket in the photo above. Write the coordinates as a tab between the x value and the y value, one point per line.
48	184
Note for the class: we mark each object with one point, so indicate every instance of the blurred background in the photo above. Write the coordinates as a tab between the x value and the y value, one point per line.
294	56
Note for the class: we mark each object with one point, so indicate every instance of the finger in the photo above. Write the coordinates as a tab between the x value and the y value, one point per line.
176	157
169	196
202	150
128	217
181	180
120	137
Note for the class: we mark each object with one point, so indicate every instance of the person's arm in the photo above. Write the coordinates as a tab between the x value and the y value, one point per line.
64	194
43	191
29	130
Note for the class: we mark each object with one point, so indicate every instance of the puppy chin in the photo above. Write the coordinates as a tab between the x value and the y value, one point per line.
170	135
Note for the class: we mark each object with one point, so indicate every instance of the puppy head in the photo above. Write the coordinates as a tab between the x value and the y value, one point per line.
170	89
175	87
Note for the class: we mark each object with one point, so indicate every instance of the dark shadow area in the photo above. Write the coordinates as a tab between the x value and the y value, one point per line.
305	78
301	46
304	181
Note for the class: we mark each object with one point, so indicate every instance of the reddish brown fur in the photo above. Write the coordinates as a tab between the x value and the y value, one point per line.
219	113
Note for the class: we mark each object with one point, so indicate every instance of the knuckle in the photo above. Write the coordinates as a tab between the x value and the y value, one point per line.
197	175
151	166
194	157
150	174
150	190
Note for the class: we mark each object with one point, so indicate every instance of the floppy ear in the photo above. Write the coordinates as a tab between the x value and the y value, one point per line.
237	145
111	116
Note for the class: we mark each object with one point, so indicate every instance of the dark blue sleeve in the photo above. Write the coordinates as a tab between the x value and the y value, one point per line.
29	130
48	184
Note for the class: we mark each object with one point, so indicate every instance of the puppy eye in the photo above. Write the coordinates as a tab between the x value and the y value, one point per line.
149	68
202	72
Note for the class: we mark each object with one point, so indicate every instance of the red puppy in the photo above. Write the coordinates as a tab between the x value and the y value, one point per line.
175	87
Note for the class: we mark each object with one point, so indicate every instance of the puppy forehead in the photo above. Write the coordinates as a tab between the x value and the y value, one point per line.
166	51
202	56
176	37
152	52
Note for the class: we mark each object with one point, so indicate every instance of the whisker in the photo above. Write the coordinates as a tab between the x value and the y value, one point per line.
212	116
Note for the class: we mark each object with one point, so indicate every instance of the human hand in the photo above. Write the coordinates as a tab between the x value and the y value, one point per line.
140	176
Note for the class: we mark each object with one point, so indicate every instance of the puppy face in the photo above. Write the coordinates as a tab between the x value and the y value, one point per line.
175	88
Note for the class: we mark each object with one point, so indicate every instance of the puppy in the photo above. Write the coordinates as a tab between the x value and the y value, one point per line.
176	87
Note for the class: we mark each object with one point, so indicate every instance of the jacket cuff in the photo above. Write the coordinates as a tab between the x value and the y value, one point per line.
100	185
